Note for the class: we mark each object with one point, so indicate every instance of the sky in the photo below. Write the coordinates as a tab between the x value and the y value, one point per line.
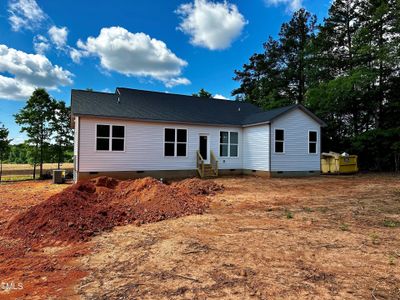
168	46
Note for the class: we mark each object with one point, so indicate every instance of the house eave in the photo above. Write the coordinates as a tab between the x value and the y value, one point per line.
157	121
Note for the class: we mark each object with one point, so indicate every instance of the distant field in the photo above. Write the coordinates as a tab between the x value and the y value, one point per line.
24	171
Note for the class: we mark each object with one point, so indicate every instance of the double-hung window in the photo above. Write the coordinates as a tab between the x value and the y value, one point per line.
175	142
110	138
228	144
279	141
312	142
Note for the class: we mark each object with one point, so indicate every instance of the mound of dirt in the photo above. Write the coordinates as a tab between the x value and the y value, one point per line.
198	187
90	207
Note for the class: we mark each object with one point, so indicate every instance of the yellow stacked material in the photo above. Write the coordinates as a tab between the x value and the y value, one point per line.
335	163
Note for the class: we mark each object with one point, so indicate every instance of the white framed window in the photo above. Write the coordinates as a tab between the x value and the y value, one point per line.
279	141
175	142
110	137
228	144
312	142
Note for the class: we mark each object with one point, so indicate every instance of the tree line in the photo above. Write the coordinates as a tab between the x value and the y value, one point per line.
345	69
46	123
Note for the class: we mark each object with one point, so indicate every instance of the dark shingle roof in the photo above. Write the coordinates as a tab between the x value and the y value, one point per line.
156	106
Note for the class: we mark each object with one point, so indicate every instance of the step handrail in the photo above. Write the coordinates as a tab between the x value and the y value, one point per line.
200	164
214	162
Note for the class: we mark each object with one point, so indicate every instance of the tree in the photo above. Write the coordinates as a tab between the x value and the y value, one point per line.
279	76
60	126
294	39
203	94
4	144
356	69
347	72
35	119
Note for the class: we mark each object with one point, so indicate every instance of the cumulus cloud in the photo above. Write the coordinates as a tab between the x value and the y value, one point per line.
219	96
291	5
28	71
75	55
134	54
177	81
211	25
40	44
58	35
25	14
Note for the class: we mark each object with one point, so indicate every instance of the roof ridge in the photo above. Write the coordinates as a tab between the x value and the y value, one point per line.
182	95
97	92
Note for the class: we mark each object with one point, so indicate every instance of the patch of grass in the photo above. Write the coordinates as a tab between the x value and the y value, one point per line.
344	227
308	209
392	260
375	239
391	223
323	209
16	178
288	214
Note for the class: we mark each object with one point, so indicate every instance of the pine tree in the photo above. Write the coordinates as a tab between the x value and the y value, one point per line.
278	76
203	94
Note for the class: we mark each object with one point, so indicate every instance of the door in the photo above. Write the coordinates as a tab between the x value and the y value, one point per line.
203	147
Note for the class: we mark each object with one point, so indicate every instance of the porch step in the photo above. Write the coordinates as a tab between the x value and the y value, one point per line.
208	171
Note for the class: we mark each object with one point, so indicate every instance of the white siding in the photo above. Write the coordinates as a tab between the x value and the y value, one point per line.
76	134
144	147
296	157
76	147
256	148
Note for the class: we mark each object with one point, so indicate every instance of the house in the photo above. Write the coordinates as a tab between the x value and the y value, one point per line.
134	133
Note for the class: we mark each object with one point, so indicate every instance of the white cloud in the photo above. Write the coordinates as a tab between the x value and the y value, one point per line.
28	71
25	14
291	5
58	35
134	54
219	96
176	81
40	44
75	55
211	25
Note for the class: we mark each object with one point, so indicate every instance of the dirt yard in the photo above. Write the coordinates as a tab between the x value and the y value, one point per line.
310	238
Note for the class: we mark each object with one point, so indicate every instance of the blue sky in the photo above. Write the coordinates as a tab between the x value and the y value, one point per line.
172	46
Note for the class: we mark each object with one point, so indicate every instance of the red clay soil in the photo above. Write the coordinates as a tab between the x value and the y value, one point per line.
198	187
90	207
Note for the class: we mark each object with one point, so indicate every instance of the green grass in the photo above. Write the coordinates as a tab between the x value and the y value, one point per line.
375	239
391	223
289	214
344	227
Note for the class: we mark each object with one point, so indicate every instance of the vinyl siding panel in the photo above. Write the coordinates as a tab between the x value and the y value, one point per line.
256	148
144	147
76	134
296	157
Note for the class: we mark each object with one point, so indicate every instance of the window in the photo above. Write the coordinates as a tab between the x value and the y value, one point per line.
175	142
312	142
279	141
110	137
228	144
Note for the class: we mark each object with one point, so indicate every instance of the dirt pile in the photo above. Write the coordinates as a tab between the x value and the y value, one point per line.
198	187
90	207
